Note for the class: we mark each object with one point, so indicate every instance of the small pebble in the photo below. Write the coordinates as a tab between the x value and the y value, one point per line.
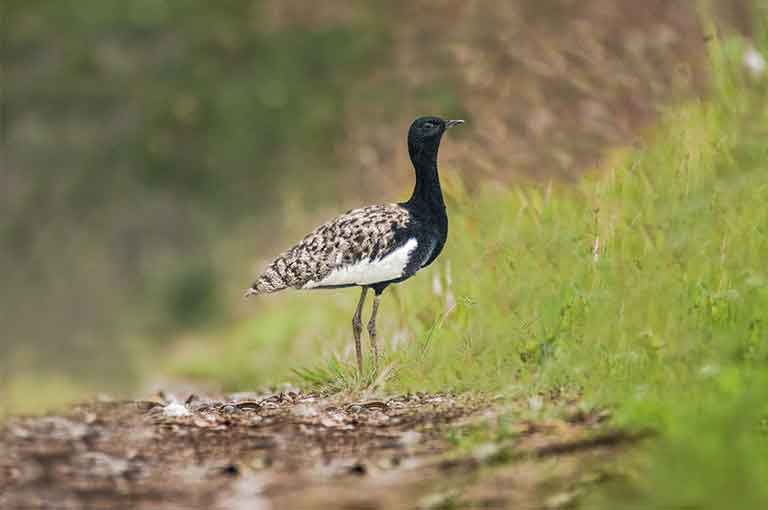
231	470
535	403
304	411
176	410
485	452
410	438
358	469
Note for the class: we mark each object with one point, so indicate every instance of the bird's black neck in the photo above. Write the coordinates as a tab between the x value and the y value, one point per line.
427	194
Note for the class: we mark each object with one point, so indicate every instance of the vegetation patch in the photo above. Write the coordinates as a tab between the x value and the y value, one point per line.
643	290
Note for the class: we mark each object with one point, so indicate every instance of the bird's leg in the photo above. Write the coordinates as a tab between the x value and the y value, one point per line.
372	331
357	326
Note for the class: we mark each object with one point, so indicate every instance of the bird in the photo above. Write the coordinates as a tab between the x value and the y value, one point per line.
372	247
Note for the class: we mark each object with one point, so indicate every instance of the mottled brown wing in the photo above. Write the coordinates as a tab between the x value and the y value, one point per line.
359	234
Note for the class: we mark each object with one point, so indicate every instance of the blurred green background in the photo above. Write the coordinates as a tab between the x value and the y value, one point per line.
154	151
139	138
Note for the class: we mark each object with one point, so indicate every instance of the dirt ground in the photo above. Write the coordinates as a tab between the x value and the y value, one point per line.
292	450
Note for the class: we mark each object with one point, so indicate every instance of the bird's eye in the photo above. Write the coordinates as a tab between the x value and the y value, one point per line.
429	125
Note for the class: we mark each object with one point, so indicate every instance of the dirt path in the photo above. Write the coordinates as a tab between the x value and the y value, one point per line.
292	451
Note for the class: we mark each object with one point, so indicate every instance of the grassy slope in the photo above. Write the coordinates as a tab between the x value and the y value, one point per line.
665	318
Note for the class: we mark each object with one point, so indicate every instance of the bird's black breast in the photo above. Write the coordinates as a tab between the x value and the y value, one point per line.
438	239
430	229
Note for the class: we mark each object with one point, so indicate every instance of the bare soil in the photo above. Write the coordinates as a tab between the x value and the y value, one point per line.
548	87
293	450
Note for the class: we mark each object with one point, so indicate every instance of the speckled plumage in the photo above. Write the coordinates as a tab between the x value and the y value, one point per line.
366	233
376	246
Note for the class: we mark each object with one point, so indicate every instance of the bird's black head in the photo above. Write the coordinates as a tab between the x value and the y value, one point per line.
426	132
425	128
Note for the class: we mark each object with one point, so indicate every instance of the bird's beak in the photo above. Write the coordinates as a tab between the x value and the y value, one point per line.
450	123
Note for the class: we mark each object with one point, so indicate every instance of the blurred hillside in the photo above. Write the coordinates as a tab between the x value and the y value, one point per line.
153	149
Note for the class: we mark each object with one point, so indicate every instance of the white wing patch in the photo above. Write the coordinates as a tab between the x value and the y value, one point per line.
367	272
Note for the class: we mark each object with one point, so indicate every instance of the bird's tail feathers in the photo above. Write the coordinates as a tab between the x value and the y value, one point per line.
267	283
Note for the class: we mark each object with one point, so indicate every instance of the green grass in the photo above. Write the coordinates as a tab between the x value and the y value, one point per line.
644	289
